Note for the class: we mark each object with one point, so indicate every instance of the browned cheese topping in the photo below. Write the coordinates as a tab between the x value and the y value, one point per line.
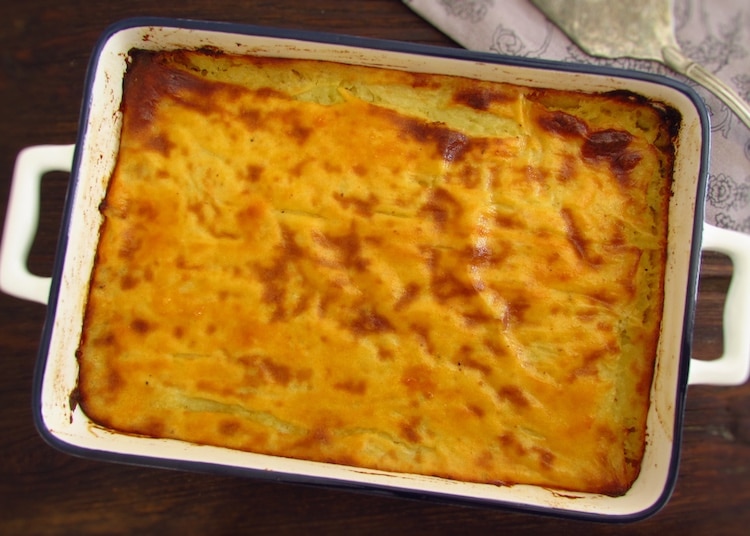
408	272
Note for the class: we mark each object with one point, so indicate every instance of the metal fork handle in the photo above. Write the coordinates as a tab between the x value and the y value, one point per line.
675	59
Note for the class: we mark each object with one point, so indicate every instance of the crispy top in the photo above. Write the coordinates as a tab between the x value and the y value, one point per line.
408	272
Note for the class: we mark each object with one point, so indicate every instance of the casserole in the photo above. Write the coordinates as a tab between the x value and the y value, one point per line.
391	314
65	426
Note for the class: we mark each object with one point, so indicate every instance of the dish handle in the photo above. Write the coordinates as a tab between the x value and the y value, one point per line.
22	219
732	368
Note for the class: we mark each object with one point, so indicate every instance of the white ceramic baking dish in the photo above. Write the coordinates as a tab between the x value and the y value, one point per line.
90	161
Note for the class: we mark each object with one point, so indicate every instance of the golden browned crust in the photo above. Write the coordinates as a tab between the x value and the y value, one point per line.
407	272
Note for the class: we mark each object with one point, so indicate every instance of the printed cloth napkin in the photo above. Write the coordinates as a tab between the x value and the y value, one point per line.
714	33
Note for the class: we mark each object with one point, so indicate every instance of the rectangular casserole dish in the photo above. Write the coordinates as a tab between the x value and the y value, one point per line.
66	427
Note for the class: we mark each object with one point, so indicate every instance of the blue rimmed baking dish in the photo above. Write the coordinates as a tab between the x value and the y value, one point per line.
91	160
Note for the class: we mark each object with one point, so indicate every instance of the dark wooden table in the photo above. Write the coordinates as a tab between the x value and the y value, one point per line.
45	46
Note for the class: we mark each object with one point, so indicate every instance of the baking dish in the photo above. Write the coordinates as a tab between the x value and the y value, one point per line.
91	160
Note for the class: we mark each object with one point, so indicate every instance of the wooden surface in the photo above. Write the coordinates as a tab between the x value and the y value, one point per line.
44	49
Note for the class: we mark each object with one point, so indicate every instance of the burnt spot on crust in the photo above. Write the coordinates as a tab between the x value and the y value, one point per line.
265	93
128	282
445	283
479	98
609	145
450	144
482	255
515	311
363	207
411	293
293	126
107	339
563	124
251	215
495	348
612	147
153	427
140	325
409	430
229	427
509	441
114	381
475	410
471	363
668	118
420	80
264	370
546	458
422	334
278	373
314	439
149	80
574	234
348	248
161	144
514	395
577	238
274	277
441	207
567	170
355	387
509	221
369	322
254	173
130	243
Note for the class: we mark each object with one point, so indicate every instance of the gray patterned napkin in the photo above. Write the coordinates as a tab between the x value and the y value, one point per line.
715	33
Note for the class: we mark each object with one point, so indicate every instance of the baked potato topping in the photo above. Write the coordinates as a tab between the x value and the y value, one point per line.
398	271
